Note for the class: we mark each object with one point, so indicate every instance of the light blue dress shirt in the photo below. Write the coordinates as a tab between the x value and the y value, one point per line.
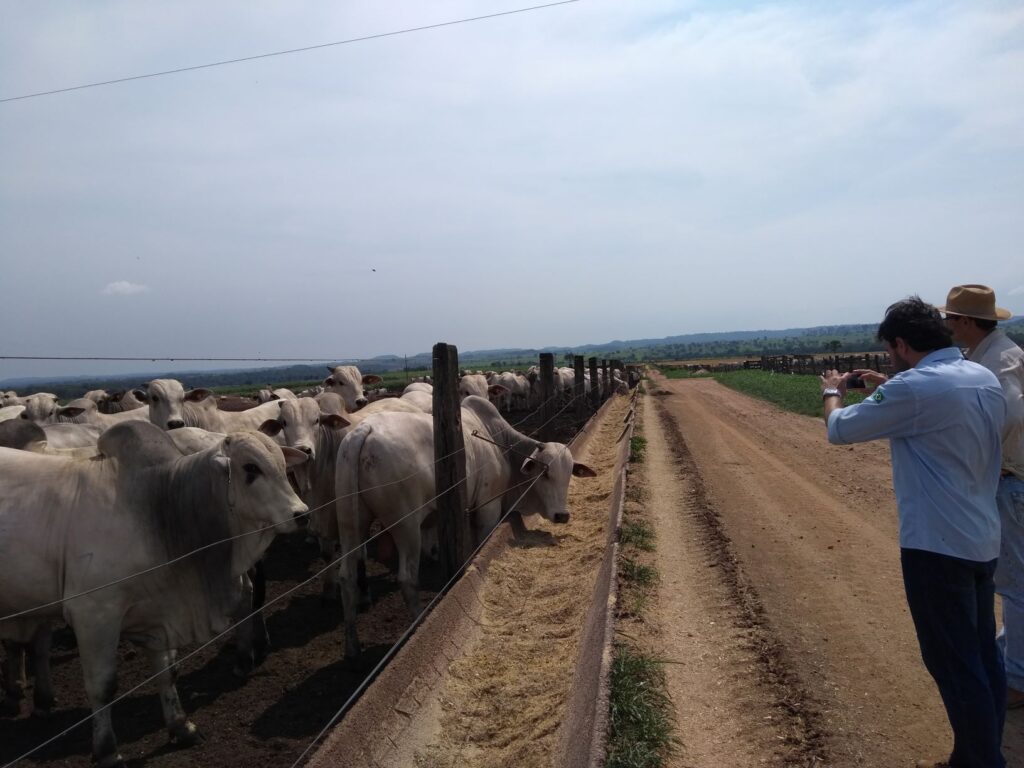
943	418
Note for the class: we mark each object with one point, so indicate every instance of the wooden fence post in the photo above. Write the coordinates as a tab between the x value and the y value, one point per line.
595	384
454	537
579	388
547	393
606	377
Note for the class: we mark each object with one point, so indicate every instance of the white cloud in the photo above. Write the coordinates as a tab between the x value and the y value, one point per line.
1018	291
124	288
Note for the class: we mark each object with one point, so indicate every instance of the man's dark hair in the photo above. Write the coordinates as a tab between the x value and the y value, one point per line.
916	322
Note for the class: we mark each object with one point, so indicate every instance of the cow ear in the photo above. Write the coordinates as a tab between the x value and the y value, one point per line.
197	395
496	390
372	378
334	421
271	427
70	411
582	470
140	394
530	467
331	370
293	457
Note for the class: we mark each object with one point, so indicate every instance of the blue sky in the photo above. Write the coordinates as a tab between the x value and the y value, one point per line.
593	171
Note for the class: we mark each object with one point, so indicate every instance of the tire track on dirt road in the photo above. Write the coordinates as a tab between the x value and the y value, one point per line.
737	701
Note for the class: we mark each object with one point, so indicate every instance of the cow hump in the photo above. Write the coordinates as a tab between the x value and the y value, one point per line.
137	443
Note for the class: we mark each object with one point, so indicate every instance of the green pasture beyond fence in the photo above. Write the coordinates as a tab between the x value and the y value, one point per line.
799	394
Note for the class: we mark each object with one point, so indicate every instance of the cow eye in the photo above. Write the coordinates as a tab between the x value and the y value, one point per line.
251	472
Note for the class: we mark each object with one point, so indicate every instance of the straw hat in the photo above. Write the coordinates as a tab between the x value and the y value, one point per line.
974	301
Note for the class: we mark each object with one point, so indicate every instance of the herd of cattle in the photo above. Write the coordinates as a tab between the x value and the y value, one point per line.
144	516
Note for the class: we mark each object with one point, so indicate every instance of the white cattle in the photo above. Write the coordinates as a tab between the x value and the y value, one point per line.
418	386
266	395
303	425
40	407
11	412
98	396
83	411
126	400
347	381
171	407
517	388
386	472
10	397
472	384
66	436
422	400
69	525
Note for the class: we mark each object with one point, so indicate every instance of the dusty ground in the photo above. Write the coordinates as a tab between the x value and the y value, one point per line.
781	599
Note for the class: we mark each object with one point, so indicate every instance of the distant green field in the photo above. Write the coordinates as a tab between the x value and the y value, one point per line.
799	394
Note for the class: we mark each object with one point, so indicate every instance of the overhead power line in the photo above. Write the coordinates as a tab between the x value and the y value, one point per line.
187	359
304	49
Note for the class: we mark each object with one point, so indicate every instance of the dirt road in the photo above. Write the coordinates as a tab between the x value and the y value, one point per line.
781	597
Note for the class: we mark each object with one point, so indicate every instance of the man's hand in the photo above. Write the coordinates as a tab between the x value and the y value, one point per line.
834	380
872	379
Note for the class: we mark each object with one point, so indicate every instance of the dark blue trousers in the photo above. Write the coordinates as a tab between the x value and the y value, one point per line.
953	605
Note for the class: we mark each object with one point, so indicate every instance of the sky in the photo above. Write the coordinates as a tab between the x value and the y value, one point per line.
594	171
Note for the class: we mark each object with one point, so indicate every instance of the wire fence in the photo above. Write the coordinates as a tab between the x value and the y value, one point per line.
331	564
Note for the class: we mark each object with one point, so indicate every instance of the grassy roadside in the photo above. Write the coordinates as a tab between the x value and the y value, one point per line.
641	717
799	394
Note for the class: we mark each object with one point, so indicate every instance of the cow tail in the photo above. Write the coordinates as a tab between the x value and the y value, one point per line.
346	484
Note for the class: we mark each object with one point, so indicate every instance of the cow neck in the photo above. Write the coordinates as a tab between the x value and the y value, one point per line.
203	414
184	507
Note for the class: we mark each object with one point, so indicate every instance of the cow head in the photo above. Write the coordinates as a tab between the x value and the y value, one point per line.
258	488
347	381
553	464
167	398
299	423
40	408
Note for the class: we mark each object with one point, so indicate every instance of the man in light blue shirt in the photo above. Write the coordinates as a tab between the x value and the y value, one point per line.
943	416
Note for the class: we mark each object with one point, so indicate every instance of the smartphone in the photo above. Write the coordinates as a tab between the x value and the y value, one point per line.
855	382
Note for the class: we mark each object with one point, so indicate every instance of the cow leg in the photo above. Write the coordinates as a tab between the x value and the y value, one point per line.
347	573
14	678
97	647
261	637
408	540
251	639
331	591
180	730
42	692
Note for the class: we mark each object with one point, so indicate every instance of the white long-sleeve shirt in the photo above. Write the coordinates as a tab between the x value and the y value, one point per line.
1005	359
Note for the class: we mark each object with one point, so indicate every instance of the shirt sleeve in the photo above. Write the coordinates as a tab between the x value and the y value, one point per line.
1010	379
888	412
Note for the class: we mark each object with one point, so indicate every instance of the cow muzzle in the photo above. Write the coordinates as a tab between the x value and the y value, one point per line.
360	402
175	424
561	517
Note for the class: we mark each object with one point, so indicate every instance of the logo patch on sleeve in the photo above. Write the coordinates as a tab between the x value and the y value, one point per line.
878	397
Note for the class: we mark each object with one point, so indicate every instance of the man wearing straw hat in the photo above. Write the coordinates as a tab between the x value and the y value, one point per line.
972	314
943	416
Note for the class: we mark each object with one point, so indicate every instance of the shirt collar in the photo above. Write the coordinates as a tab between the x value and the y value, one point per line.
940	355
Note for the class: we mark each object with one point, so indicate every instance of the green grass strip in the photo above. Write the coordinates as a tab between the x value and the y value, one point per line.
641	711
